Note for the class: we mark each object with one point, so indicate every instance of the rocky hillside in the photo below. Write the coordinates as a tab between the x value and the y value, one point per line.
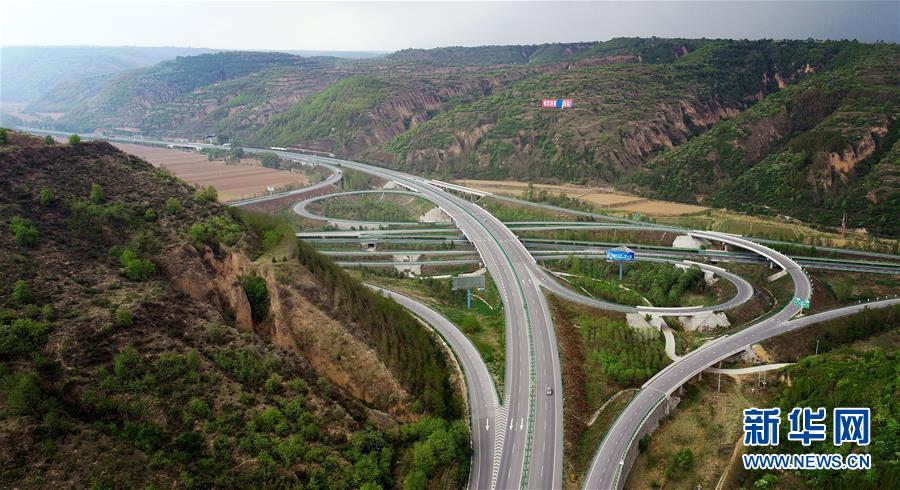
815	150
648	113
149	336
133	99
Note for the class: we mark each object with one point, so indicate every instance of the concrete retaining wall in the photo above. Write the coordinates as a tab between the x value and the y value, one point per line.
650	425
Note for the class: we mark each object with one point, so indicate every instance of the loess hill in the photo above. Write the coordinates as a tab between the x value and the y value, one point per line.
151	336
737	124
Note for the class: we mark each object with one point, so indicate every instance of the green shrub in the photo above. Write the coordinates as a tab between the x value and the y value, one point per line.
215	229
135	268
24	230
124	318
145	242
173	206
47	312
3	137
97	196
244	365
215	334
24	397
23	336
55	424
198	408
681	464
21	293
48	140
273	384
45	196
207	194
127	363
74	139
258	294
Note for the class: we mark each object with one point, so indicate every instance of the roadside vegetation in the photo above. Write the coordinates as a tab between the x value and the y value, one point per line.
855	367
602	360
842	378
397	208
483	324
506	211
660	284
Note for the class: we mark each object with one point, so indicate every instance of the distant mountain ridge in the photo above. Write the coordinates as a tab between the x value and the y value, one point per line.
29	72
474	112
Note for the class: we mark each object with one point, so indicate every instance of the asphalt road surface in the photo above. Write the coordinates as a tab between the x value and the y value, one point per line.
605	471
483	400
528	429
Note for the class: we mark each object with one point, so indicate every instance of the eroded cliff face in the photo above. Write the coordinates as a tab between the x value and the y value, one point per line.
845	161
832	170
601	150
298	325
212	278
673	125
405	110
295	323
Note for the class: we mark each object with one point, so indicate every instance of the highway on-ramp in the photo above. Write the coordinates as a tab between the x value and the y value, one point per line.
528	430
483	401
608	468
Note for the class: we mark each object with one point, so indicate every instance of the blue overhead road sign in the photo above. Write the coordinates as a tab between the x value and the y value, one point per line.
619	254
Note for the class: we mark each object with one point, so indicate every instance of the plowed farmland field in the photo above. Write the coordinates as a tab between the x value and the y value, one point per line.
233	181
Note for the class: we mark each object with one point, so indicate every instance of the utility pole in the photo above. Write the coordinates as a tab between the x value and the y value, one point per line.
719	385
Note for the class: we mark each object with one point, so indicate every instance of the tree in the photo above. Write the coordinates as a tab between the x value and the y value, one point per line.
45	196
173	206
257	294
135	268
48	140
21	293
236	153
25	396
206	194
684	458
74	139
3	137
269	160
24	230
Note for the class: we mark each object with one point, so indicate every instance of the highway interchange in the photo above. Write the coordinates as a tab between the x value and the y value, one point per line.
609	464
518	443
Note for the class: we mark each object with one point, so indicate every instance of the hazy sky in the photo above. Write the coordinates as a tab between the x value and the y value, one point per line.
382	26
